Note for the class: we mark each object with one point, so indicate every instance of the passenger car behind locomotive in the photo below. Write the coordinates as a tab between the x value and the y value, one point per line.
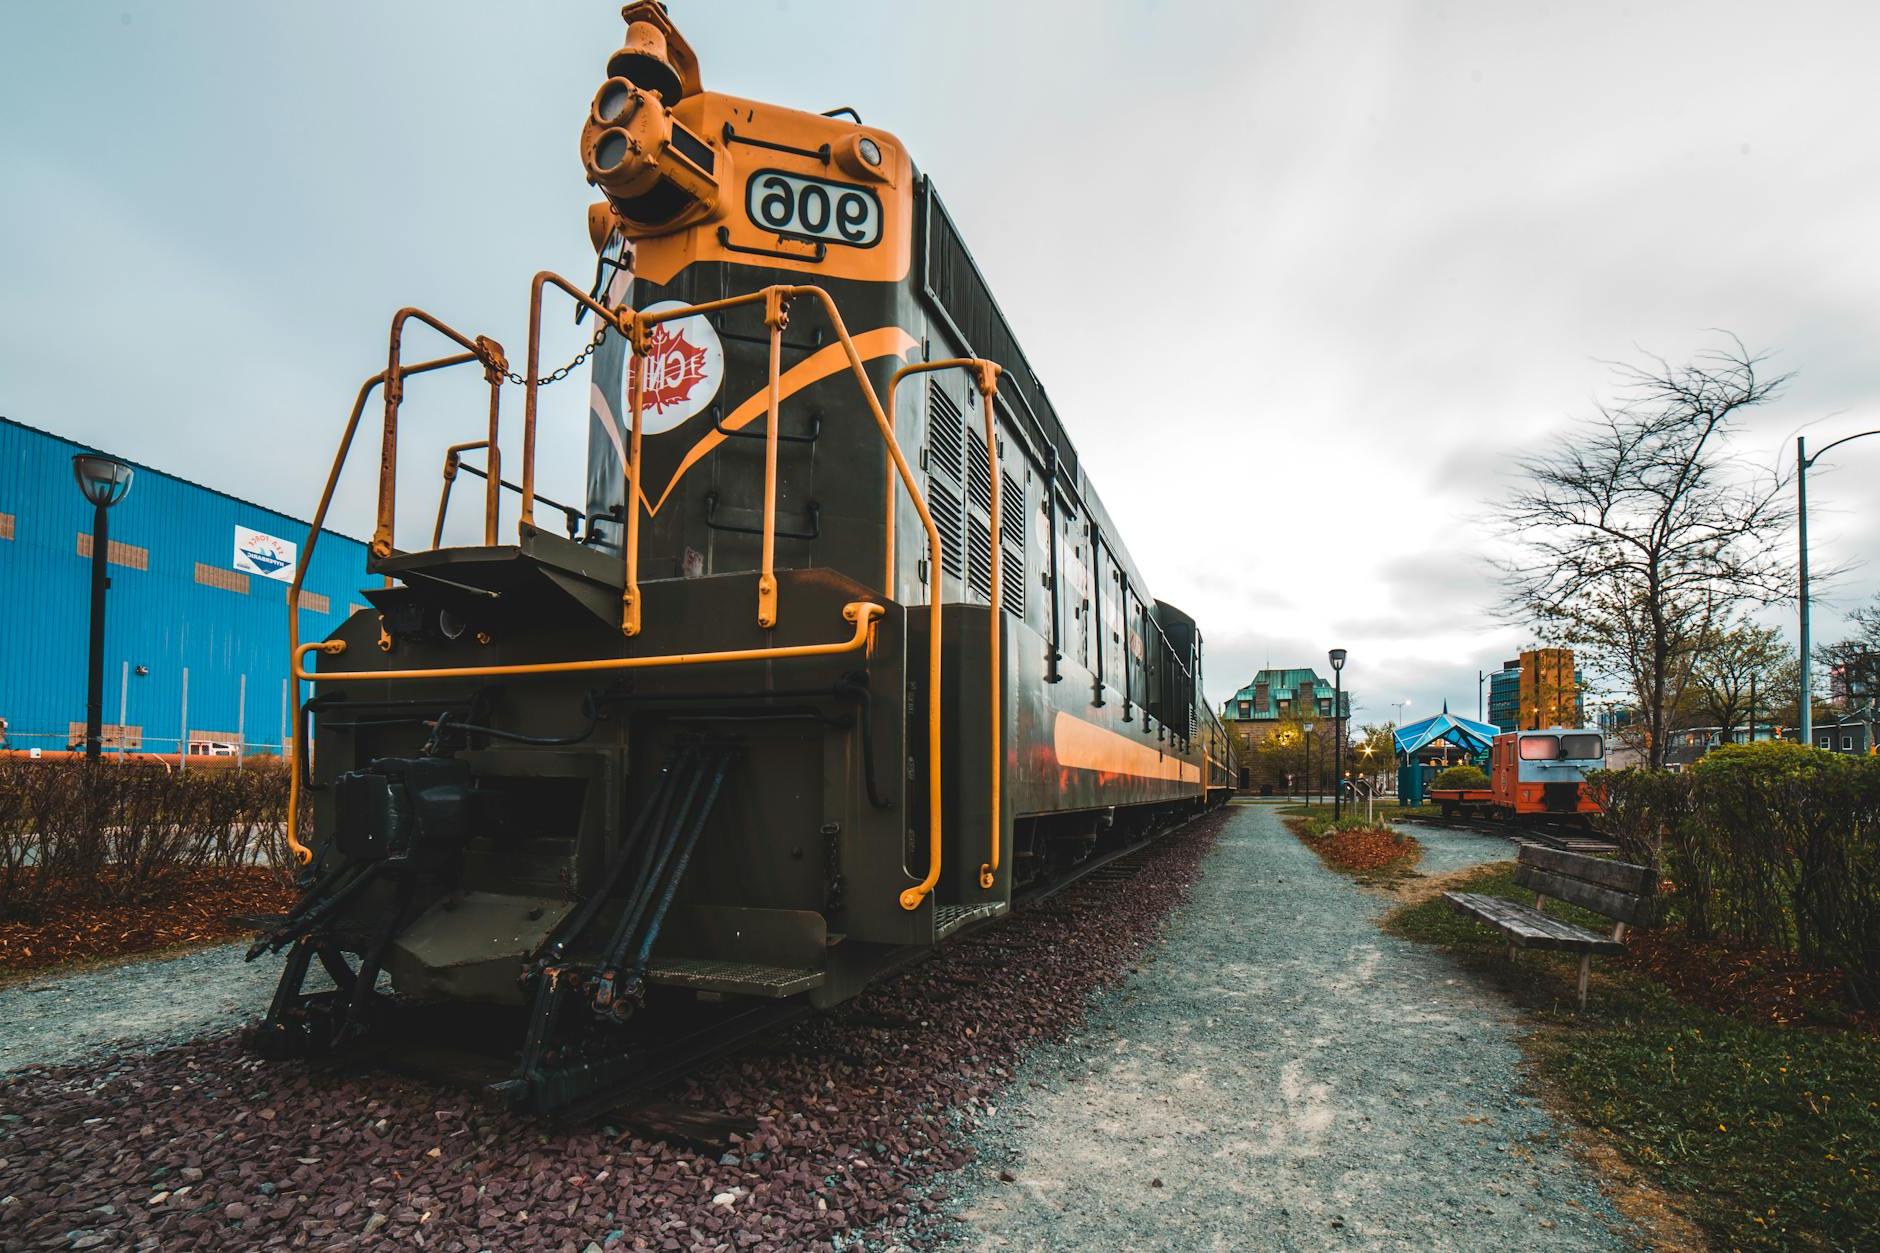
1539	773
841	653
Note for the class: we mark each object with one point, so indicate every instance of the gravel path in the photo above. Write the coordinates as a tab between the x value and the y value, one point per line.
1281	1074
1447	849
140	1005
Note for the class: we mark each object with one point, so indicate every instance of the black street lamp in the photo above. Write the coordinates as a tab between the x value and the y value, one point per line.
1338	729
105	481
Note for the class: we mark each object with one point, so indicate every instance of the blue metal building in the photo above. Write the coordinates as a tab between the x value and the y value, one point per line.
196	618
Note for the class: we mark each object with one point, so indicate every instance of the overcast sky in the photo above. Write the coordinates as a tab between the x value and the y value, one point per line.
1300	277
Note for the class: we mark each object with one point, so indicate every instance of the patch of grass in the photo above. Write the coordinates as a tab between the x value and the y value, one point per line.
1774	1132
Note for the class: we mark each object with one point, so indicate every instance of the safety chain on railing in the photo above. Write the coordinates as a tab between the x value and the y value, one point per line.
522	381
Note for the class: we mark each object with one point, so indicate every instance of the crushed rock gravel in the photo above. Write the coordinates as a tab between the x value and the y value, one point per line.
1280	1074
851	1117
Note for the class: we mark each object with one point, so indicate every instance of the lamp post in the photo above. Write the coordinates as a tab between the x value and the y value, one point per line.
105	481
1337	656
1802	462
1312	787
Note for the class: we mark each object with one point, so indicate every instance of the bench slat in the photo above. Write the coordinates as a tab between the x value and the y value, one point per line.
1529	928
1618	875
1618	906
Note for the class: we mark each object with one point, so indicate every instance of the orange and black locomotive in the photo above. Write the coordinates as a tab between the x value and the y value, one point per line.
839	654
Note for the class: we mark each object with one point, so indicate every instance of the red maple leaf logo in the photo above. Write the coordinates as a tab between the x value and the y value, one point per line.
673	367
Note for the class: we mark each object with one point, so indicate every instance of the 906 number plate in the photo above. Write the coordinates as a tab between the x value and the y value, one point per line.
813	208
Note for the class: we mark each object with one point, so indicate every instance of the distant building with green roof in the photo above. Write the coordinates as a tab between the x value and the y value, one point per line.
1275	695
1272	708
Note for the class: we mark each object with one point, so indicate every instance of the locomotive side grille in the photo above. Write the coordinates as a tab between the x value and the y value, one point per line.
943	426
951	281
944	504
979	478
1012	526
979	563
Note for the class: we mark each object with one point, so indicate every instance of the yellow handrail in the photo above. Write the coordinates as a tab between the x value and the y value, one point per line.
299	850
633	325
987	376
480	349
453	457
986	379
776	317
861	612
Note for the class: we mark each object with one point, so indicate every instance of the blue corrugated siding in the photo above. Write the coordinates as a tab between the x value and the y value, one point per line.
160	618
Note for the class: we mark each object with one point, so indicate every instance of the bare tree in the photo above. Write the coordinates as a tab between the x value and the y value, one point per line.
1853	664
1640	535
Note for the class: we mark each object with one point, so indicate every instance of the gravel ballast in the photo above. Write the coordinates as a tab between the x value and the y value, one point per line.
1280	1074
846	1120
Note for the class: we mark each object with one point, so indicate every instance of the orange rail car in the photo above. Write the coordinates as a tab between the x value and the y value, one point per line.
1539	772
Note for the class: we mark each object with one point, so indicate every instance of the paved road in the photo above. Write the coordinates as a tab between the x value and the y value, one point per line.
1291	1078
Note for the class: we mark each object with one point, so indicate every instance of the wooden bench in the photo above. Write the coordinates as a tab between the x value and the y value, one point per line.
1624	893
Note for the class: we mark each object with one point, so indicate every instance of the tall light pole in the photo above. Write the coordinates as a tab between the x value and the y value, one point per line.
105	481
1337	656
1802	462
1400	706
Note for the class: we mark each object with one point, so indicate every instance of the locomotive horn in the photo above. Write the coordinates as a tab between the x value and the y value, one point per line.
656	172
645	62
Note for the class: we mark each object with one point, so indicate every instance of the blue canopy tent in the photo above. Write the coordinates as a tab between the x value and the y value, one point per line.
1471	737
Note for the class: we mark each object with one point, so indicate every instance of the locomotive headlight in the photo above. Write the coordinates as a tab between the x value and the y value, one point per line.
449	625
610	150
613	101
865	157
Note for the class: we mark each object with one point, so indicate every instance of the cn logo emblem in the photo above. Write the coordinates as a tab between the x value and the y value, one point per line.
681	373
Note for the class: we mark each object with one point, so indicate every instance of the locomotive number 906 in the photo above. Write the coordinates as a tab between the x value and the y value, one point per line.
813	208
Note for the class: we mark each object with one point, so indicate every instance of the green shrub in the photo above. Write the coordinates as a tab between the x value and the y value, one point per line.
1771	845
1463	776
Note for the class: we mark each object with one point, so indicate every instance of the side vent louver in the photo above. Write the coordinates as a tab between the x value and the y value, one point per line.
1012	521
943	423
944	504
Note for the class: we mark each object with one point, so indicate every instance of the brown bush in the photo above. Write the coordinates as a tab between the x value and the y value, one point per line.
124	833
